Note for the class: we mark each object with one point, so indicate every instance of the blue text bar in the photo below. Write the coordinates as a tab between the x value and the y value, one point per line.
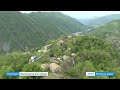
104	73
12	73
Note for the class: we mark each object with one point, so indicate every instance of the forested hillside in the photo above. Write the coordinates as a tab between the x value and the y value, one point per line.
109	32
20	31
61	21
65	58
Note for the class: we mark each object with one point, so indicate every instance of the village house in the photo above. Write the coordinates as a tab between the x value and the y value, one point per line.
32	59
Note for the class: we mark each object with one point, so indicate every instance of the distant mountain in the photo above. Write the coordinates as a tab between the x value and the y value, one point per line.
19	31
100	20
56	21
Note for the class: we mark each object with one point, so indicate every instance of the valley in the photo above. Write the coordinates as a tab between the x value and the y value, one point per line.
58	44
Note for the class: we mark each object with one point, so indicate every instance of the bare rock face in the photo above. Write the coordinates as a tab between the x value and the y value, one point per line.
73	55
54	60
5	46
55	68
45	66
60	42
47	47
59	59
66	57
66	64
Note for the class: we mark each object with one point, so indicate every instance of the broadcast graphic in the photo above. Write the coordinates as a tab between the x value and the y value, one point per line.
59	44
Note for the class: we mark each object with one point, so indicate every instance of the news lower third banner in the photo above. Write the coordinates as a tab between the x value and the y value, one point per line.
46	73
99	73
26	73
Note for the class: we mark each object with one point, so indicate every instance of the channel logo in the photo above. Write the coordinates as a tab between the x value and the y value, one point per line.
90	73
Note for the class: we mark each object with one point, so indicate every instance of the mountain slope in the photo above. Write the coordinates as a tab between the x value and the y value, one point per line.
19	31
64	23
109	32
100	20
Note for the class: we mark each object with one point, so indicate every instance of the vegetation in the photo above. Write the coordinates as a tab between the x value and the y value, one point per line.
109	32
20	31
93	54
23	36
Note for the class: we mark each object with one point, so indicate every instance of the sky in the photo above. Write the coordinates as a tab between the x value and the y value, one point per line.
85	14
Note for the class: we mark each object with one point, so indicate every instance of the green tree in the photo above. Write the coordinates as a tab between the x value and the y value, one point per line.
79	71
33	67
3	71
